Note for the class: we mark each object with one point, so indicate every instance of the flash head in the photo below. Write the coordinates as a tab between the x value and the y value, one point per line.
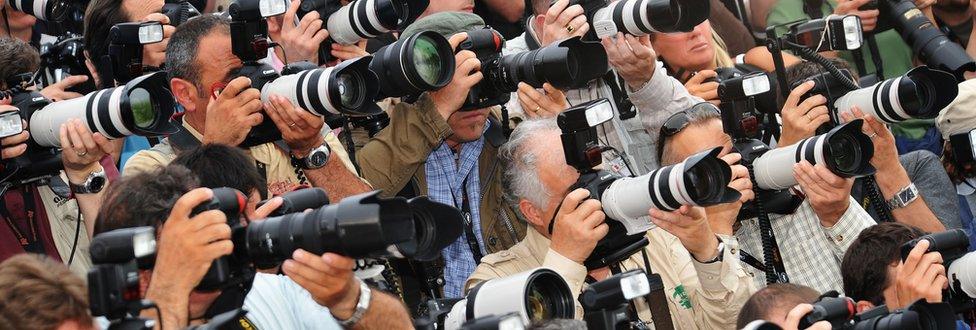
123	245
743	87
255	9
579	135
136	33
834	32
583	116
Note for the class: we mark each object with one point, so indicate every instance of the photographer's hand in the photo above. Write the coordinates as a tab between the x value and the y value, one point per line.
801	119
538	105
186	248
921	275
301	42
233	113
348	52
300	129
688	224
722	217
563	21
869	18
467	73
81	150
59	91
632	57
828	194
707	91
15	145
579	226
797	313
155	54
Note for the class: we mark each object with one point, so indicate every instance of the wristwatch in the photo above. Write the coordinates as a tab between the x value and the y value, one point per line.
721	252
93	183
904	197
361	307
315	159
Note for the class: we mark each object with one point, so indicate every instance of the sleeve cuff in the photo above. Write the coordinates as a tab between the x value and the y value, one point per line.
573	272
848	226
719	276
430	118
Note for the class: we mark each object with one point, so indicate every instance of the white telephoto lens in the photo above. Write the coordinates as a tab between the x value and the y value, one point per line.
348	27
880	101
627	200
35	8
964	270
105	116
308	90
774	169
150	34
603	24
457	316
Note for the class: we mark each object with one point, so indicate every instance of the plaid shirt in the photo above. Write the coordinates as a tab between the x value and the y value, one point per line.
445	180
811	253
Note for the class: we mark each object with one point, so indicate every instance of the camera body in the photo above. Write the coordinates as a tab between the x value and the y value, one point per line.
487	46
180	11
953	245
63	58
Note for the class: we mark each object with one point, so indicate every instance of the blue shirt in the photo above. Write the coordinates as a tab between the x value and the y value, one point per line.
449	180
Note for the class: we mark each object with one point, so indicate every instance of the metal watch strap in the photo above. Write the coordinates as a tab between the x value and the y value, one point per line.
904	197
361	307
303	163
83	188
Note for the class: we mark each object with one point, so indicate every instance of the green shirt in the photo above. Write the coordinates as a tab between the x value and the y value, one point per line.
897	55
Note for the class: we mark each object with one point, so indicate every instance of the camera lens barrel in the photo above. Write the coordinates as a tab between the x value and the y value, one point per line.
643	17
41	9
927	41
567	64
141	107
700	180
536	295
366	19
919	94
422	62
845	151
344	89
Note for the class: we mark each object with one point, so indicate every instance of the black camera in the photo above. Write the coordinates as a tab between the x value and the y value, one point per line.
144	107
641	17
605	303
567	64
113	282
927	41
700	180
125	45
920	315
953	245
358	226
63	58
180	11
963	149
360	19
346	89
839	311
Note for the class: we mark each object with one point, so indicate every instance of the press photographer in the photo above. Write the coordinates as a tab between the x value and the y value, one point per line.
317	289
957	125
893	265
811	237
417	155
203	73
38	208
893	178
30	283
639	88
102	15
703	284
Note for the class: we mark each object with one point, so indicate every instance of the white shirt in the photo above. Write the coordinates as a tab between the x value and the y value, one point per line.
277	302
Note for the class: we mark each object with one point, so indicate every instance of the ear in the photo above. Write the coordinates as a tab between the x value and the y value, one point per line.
532	214
185	93
92	69
864	306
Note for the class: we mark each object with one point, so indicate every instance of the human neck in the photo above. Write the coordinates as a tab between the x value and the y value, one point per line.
196	120
22	34
953	17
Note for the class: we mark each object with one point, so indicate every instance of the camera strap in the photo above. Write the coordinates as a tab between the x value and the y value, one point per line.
657	300
29	239
469	233
625	108
875	55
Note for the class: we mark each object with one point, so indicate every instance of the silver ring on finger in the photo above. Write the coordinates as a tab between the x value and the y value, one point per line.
292	125
82	154
872	135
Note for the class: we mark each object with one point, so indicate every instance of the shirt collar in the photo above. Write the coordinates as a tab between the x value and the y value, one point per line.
538	245
967	187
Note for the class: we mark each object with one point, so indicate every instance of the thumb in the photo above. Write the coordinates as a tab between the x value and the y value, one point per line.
190	200
552	92
71	81
103	142
457	39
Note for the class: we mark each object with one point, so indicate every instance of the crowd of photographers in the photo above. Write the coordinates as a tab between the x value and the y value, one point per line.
487	164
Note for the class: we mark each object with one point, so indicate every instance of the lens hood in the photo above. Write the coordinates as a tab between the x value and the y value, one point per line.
848	137
436	226
677	15
397	69
568	64
939	87
157	86
708	162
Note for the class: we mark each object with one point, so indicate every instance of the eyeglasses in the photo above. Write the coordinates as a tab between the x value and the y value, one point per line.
678	121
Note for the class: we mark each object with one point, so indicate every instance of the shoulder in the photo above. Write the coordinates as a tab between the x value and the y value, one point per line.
149	159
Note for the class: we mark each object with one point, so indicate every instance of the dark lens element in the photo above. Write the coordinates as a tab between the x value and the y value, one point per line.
350	95
701	181
845	152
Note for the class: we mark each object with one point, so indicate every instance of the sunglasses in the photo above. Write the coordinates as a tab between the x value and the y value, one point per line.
678	121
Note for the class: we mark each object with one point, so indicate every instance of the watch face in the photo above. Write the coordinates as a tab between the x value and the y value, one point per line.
318	159
96	184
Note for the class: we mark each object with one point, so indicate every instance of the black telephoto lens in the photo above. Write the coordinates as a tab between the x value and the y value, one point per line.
422	62
568	64
299	201
436	226
927	41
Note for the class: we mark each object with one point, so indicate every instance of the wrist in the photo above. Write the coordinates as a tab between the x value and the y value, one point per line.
80	175
637	84
346	306
303	148
706	251
891	180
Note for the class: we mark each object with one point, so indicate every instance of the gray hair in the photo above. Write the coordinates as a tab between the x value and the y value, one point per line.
521	157
698	114
181	52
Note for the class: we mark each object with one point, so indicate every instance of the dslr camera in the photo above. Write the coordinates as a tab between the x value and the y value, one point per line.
345	89
641	17
700	180
360	19
953	245
567	64
605	303
113	282
144	106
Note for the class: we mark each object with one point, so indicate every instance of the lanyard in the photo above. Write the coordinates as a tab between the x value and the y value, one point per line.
469	233
31	243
